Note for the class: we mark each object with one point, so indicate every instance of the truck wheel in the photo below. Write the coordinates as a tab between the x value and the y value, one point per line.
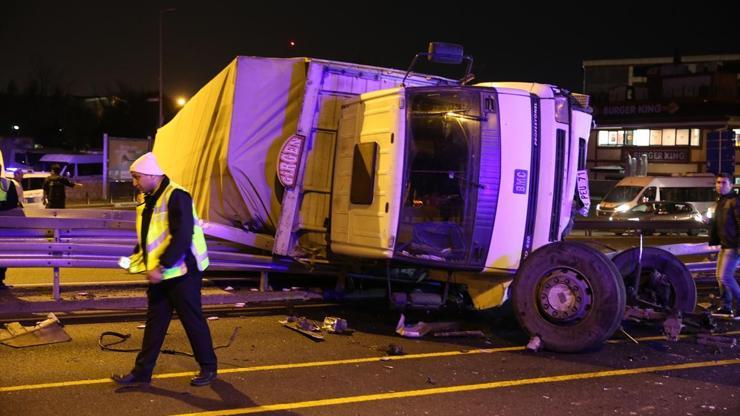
570	295
664	279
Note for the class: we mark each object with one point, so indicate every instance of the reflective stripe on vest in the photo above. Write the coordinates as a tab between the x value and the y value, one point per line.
158	238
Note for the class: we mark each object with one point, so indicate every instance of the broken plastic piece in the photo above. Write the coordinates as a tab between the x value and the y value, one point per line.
534	344
49	331
334	325
422	328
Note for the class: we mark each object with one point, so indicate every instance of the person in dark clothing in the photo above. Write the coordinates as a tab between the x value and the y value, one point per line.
171	250
55	195
725	232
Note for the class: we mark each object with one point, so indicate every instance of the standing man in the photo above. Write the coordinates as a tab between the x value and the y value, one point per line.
725	231
171	250
54	194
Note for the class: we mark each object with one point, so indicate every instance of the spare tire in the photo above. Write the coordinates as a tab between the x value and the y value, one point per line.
673	288
570	295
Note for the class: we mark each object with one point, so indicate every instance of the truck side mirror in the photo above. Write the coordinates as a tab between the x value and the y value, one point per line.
444	53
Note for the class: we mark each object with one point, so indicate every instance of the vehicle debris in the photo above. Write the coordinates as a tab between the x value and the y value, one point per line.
395	349
422	328
470	334
672	326
534	344
305	326
335	325
49	331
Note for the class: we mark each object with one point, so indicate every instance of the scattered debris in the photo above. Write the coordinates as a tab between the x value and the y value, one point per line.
716	340
534	344
335	325
229	289
49	331
305	326
471	334
395	349
672	327
430	380
628	335
142	326
423	328
240	304
213	318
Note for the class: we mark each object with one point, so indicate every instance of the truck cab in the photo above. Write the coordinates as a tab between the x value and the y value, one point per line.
457	177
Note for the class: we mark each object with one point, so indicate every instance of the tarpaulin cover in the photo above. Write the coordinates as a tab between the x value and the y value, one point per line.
223	145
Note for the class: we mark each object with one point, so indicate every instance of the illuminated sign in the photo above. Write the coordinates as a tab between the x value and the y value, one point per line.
289	159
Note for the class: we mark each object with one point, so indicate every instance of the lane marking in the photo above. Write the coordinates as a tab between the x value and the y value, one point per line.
461	388
309	364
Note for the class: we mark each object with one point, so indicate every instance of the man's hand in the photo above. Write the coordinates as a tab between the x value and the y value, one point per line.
154	276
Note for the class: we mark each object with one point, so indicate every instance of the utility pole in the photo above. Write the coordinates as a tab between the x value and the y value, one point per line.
160	120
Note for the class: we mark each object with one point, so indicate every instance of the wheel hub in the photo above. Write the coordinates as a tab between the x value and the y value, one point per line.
564	296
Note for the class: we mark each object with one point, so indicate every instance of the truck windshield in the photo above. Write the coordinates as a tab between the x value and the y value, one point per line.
440	172
622	194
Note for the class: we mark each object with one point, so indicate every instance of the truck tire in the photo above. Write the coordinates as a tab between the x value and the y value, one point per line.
570	295
673	276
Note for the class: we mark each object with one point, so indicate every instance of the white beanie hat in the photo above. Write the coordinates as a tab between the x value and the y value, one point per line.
147	165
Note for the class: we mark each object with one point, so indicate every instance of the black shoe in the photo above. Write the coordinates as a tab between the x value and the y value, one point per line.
204	378
130	379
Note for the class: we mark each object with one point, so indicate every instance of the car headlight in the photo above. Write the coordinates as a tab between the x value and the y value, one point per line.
598	206
623	208
698	217
710	212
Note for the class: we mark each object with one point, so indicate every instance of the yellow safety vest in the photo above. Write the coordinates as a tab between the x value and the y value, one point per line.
158	238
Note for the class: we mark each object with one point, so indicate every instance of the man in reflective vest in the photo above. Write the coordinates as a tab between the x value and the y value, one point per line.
171	250
10	195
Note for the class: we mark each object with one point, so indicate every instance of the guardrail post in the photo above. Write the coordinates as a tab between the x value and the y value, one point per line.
264	282
56	290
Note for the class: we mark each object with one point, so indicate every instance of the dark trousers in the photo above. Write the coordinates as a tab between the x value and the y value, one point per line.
181	294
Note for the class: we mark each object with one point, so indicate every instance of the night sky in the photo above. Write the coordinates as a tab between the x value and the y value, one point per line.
93	47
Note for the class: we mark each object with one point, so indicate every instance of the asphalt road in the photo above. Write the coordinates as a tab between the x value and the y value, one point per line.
269	369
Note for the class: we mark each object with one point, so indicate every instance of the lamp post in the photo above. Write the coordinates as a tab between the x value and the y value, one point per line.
161	87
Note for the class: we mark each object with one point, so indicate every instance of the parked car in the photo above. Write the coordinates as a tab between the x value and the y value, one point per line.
662	214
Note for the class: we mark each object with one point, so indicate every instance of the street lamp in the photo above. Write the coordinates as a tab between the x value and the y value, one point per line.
161	17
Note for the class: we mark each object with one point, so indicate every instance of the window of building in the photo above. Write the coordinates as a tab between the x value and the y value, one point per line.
682	137
695	135
652	137
669	137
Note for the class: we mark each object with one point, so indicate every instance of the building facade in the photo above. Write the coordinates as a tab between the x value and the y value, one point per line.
662	110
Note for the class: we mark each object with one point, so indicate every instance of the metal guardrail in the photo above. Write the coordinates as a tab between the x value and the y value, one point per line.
97	239
606	224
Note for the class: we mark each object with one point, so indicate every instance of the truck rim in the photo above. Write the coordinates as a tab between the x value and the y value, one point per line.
564	296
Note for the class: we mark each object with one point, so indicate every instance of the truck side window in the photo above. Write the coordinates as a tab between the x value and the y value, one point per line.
363	173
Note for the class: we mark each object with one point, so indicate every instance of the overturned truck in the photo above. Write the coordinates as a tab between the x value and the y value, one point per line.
389	173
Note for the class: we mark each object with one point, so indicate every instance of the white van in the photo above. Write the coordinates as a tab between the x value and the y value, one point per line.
74	165
634	190
33	189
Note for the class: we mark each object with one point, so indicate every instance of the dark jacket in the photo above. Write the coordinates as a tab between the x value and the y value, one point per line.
726	222
55	195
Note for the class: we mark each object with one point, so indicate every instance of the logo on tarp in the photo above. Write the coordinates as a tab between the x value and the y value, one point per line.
289	159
